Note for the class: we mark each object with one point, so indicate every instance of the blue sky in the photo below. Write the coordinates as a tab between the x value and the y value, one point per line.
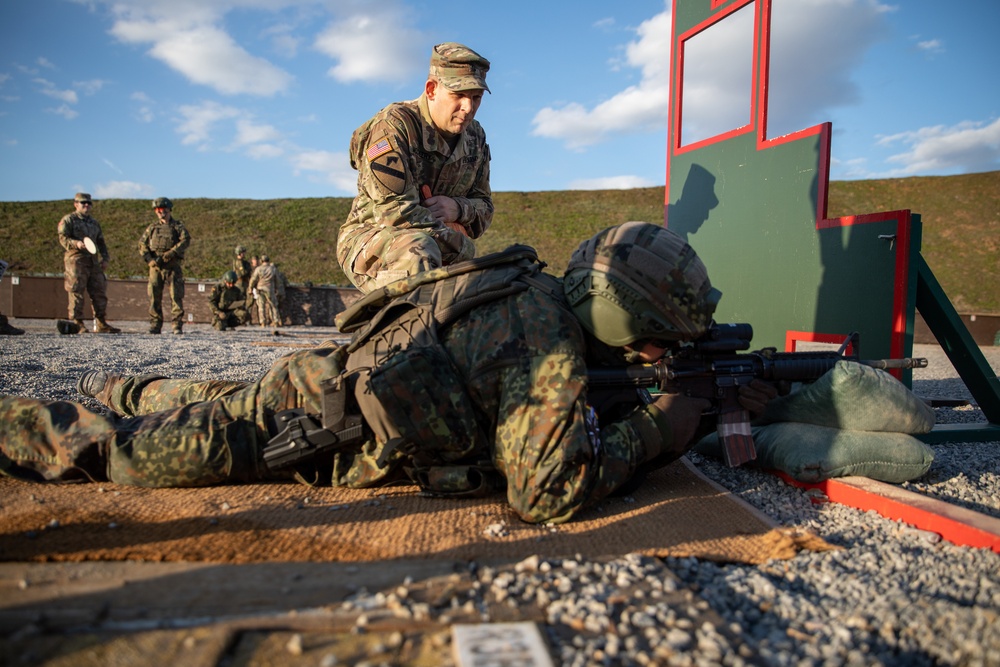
258	98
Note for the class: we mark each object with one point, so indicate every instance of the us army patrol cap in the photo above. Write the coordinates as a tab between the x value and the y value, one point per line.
458	67
82	196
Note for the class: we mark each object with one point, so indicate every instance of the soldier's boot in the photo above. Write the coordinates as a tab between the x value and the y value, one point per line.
97	384
7	329
83	327
101	326
155	327
178	328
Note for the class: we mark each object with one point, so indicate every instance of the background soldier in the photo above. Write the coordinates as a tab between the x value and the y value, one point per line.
228	303
244	269
162	247
496	398
84	267
6	328
423	177
263	286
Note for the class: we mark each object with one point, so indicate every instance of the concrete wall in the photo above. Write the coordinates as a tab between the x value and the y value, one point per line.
44	297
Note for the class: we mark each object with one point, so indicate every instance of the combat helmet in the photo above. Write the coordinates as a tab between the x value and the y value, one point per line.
229	277
162	202
639	281
240	250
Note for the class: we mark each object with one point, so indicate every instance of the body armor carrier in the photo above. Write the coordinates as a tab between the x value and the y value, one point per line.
413	397
163	238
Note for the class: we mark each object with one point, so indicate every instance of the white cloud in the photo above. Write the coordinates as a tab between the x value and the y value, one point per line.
199	120
122	190
803	86
64	110
206	55
379	46
931	46
638	108
326	167
264	151
144	112
612	183
4	78
249	132
90	87
967	147
46	63
48	88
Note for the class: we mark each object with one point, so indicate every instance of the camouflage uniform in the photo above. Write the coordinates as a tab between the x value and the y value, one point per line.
264	281
522	359
84	271
390	233
164	243
228	305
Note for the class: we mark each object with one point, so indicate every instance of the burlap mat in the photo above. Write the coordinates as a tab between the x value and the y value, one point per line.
676	512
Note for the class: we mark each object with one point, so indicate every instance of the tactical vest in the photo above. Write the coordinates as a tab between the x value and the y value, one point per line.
163	238
406	384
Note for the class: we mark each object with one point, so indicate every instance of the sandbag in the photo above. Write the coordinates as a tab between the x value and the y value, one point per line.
856	397
854	420
810	453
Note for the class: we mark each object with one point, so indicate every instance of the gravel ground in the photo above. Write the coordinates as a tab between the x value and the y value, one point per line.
893	595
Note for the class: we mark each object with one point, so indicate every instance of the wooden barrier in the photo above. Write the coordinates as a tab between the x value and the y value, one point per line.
44	297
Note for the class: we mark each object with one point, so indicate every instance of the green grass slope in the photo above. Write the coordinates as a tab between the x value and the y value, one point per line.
961	223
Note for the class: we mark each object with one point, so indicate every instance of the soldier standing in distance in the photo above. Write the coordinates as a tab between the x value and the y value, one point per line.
162	247
244	269
263	285
84	269
423	177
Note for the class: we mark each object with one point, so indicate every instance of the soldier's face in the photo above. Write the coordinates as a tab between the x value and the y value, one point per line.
163	213
83	206
452	111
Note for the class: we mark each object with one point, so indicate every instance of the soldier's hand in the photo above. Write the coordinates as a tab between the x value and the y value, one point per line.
152	263
755	396
683	413
444	209
168	256
80	245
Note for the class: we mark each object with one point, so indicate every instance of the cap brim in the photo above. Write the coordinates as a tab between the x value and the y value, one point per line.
457	83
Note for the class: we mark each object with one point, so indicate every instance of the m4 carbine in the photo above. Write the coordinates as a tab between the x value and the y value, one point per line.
711	367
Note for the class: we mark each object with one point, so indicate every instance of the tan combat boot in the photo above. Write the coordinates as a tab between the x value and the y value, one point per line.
103	327
83	327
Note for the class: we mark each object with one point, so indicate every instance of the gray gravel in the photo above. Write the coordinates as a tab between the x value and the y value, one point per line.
894	595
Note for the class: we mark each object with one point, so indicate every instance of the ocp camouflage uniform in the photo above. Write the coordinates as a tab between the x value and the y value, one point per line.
264	279
501	389
389	234
228	306
165	243
83	271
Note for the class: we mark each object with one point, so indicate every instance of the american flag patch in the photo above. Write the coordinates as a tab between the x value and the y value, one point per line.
376	149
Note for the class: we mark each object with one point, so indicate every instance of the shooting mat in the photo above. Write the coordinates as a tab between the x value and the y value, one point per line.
676	512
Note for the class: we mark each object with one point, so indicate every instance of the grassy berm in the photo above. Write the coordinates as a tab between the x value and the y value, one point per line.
961	229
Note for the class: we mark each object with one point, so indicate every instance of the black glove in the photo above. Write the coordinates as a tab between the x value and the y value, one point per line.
684	415
755	396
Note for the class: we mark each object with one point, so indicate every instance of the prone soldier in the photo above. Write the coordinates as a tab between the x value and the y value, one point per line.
465	380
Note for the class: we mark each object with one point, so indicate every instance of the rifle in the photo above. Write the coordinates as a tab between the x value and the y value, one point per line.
711	367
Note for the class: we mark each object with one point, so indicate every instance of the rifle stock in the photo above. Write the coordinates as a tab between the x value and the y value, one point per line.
712	368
